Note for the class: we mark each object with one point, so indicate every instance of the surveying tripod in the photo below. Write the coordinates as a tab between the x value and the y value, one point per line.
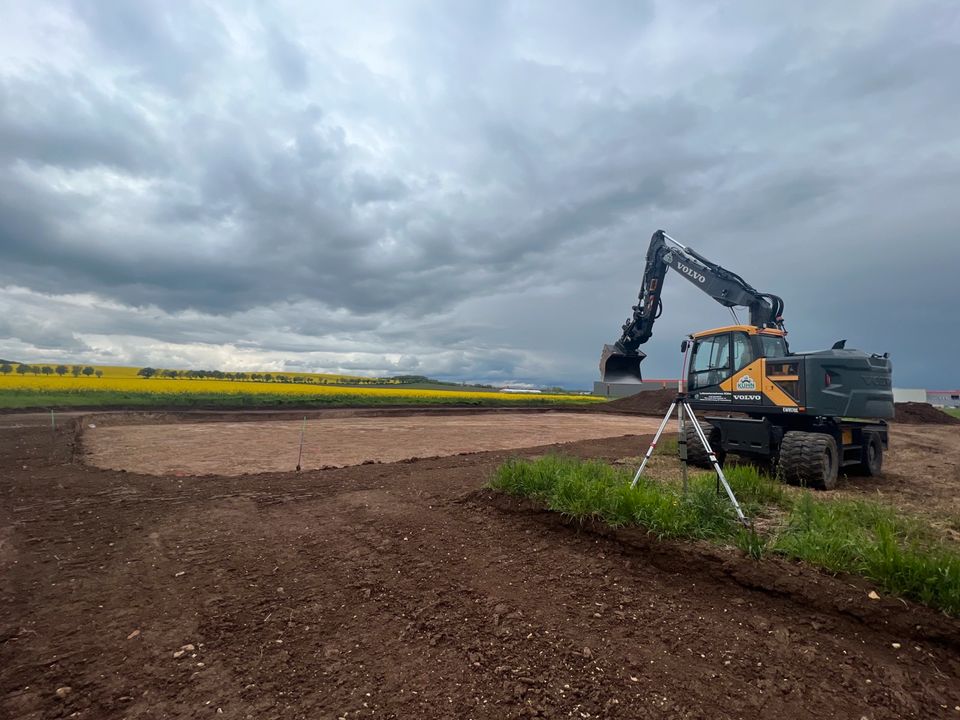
683	408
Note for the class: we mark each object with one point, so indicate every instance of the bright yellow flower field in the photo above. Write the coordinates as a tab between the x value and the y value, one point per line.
163	386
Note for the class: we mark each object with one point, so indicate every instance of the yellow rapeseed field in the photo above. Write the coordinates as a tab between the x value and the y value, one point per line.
164	386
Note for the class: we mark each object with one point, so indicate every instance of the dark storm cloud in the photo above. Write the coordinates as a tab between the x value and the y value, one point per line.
65	121
288	183
469	189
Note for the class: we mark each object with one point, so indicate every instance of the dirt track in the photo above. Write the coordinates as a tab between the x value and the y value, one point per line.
401	591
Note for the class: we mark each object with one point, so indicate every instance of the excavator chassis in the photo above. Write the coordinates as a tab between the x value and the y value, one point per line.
801	450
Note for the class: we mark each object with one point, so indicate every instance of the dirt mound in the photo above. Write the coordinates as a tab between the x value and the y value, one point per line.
645	402
914	413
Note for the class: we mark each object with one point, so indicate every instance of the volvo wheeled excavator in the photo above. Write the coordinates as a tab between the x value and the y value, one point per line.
805	415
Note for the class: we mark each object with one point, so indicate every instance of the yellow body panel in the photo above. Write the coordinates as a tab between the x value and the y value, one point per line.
773	391
748	329
745	376
755	375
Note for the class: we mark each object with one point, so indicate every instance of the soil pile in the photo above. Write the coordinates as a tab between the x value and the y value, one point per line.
645	402
914	413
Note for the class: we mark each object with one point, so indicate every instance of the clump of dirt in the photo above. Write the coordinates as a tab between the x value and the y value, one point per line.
914	413
645	402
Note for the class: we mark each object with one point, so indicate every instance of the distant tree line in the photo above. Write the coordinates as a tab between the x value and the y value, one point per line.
149	372
423	379
76	370
7	367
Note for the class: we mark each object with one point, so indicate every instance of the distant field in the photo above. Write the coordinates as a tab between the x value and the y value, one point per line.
953	411
25	391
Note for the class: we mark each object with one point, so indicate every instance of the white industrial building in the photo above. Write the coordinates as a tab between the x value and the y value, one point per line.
944	398
918	395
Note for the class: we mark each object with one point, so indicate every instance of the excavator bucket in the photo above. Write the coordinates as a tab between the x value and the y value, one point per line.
618	367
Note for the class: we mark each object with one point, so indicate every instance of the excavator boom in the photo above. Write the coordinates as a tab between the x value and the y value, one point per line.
620	362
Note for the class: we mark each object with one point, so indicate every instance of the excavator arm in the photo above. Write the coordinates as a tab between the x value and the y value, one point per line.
620	362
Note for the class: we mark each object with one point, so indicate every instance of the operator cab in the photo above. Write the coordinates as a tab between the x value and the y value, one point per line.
721	353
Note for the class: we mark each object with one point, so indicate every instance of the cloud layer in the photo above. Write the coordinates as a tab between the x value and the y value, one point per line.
466	190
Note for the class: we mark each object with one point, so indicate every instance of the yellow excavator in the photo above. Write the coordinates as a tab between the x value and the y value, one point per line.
806	415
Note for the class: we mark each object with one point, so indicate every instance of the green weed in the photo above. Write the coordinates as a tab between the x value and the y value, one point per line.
902	555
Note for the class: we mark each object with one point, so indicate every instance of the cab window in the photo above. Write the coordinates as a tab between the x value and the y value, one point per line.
711	361
742	351
773	346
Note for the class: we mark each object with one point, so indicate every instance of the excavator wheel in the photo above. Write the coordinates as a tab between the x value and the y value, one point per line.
788	461
809	459
872	455
696	452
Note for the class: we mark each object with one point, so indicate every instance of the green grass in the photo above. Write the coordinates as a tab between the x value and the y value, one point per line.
952	411
901	555
591	490
865	538
26	399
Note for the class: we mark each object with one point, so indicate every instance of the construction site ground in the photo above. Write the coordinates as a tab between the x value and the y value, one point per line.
404	589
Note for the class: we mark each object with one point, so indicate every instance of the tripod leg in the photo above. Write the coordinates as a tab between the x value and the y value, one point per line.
656	438
716	465
682	445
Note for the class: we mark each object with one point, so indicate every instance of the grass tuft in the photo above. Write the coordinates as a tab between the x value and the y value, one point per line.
590	490
900	554
871	540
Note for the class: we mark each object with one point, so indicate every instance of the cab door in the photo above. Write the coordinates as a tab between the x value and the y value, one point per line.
710	366
745	380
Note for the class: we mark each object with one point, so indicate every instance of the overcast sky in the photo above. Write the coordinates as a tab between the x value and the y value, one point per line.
467	189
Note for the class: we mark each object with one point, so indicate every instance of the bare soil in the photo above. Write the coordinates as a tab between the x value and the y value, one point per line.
336	440
921	475
403	590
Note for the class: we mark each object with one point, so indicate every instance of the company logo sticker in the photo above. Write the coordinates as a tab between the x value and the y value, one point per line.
746	383
687	270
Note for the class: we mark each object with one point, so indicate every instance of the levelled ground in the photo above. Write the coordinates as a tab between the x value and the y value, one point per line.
334	438
403	590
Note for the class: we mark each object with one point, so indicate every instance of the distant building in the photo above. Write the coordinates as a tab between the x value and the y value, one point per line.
619	390
918	395
944	398
521	390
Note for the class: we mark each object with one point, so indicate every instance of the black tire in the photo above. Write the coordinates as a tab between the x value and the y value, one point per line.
872	455
821	462
696	452
809	459
788	461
